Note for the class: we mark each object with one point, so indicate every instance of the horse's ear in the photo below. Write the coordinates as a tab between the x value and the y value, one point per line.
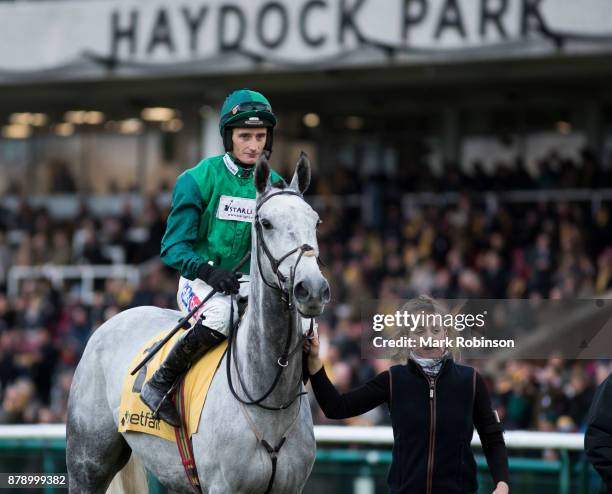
301	177
262	174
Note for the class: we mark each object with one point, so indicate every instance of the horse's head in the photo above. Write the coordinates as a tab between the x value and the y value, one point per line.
285	230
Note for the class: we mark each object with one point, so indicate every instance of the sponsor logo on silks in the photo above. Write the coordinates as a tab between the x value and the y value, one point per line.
230	207
143	419
194	302
236	208
190	300
186	294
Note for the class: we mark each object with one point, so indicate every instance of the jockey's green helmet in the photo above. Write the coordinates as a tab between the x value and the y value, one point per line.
246	108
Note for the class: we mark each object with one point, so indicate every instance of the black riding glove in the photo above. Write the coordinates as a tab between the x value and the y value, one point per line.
222	280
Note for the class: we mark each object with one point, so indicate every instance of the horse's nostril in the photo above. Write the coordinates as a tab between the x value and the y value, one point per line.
325	294
300	291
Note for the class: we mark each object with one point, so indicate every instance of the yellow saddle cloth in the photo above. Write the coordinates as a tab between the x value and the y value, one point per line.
134	415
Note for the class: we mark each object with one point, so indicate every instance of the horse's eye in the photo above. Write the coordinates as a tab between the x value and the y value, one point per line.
319	222
266	224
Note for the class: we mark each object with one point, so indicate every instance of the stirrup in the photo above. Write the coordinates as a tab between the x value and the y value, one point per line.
165	397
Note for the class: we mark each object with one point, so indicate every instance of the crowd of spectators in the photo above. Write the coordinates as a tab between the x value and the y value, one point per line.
556	249
552	171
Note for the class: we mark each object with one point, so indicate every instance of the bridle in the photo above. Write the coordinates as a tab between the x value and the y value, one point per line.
286	294
305	250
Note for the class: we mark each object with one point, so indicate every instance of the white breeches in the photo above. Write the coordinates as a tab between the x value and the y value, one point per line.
216	311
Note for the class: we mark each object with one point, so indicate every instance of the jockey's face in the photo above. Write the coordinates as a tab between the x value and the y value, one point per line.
248	144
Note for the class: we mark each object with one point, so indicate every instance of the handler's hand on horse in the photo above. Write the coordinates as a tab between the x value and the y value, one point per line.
502	488
311	347
222	280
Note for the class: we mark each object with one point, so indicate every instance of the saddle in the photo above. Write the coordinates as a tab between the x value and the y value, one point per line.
134	415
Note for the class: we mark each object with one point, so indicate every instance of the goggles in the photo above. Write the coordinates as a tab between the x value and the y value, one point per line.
249	106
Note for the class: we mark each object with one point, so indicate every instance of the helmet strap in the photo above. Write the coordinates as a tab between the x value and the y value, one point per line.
227	140
268	144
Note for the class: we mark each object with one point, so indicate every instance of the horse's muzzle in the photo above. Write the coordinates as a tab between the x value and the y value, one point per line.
312	295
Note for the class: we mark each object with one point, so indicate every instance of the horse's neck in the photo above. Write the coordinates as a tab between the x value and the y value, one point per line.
261	341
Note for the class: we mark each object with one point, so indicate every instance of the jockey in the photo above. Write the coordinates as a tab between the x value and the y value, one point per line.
208	232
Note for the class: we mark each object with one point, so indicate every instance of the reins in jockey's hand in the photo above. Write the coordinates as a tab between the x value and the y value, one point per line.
222	280
184	322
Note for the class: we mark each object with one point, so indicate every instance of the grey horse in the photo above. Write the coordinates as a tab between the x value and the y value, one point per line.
230	456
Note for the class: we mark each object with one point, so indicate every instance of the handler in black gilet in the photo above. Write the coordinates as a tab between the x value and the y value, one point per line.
435	404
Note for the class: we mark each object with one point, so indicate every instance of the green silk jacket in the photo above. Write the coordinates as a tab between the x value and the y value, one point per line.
213	205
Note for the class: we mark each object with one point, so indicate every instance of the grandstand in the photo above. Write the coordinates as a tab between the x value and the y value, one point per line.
463	152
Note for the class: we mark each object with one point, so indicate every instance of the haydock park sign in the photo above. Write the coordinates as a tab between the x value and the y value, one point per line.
66	39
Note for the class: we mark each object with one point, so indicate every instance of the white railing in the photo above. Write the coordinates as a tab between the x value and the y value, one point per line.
33	431
330	434
86	274
383	436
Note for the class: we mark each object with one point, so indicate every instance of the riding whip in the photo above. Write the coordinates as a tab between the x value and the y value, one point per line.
185	319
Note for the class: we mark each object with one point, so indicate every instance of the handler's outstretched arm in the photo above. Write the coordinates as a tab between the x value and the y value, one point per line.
373	393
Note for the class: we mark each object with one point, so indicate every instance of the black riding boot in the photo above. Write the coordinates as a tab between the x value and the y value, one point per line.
187	350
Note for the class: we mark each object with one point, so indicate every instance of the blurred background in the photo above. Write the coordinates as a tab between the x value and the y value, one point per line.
460	148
